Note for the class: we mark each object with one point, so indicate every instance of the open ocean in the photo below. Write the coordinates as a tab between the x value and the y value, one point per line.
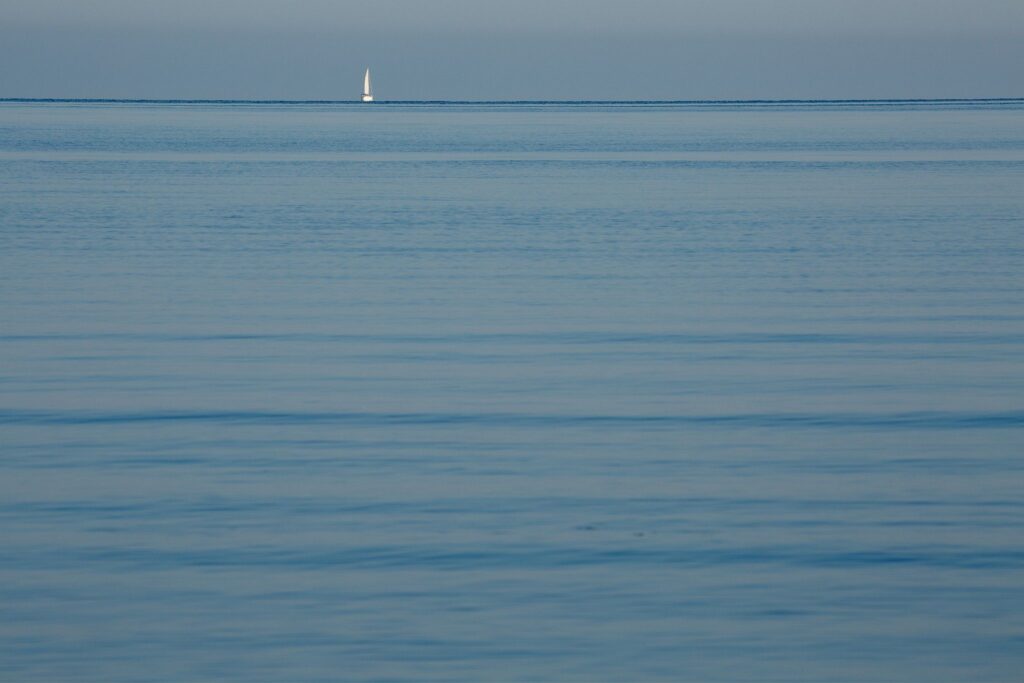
710	392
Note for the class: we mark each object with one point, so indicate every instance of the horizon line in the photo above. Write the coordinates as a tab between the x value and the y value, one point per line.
882	100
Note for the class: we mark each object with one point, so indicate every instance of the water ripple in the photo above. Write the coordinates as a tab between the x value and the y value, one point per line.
901	420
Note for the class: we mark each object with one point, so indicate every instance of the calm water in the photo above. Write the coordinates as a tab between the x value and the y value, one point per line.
323	392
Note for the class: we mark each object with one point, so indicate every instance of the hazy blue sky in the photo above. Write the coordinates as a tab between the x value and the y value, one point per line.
529	49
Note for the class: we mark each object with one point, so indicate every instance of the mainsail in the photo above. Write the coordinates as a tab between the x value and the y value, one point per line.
367	92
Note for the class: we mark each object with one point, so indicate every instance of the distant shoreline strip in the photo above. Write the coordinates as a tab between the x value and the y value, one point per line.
897	101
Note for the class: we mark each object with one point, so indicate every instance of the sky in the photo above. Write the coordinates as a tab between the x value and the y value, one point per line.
528	49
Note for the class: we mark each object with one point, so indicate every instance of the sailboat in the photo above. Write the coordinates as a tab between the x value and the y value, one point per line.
367	92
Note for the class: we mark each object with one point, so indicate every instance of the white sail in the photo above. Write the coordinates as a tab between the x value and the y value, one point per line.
367	92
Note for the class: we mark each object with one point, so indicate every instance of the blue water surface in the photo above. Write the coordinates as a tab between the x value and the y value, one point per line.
491	392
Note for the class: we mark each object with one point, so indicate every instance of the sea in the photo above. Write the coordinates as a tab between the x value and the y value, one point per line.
601	391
